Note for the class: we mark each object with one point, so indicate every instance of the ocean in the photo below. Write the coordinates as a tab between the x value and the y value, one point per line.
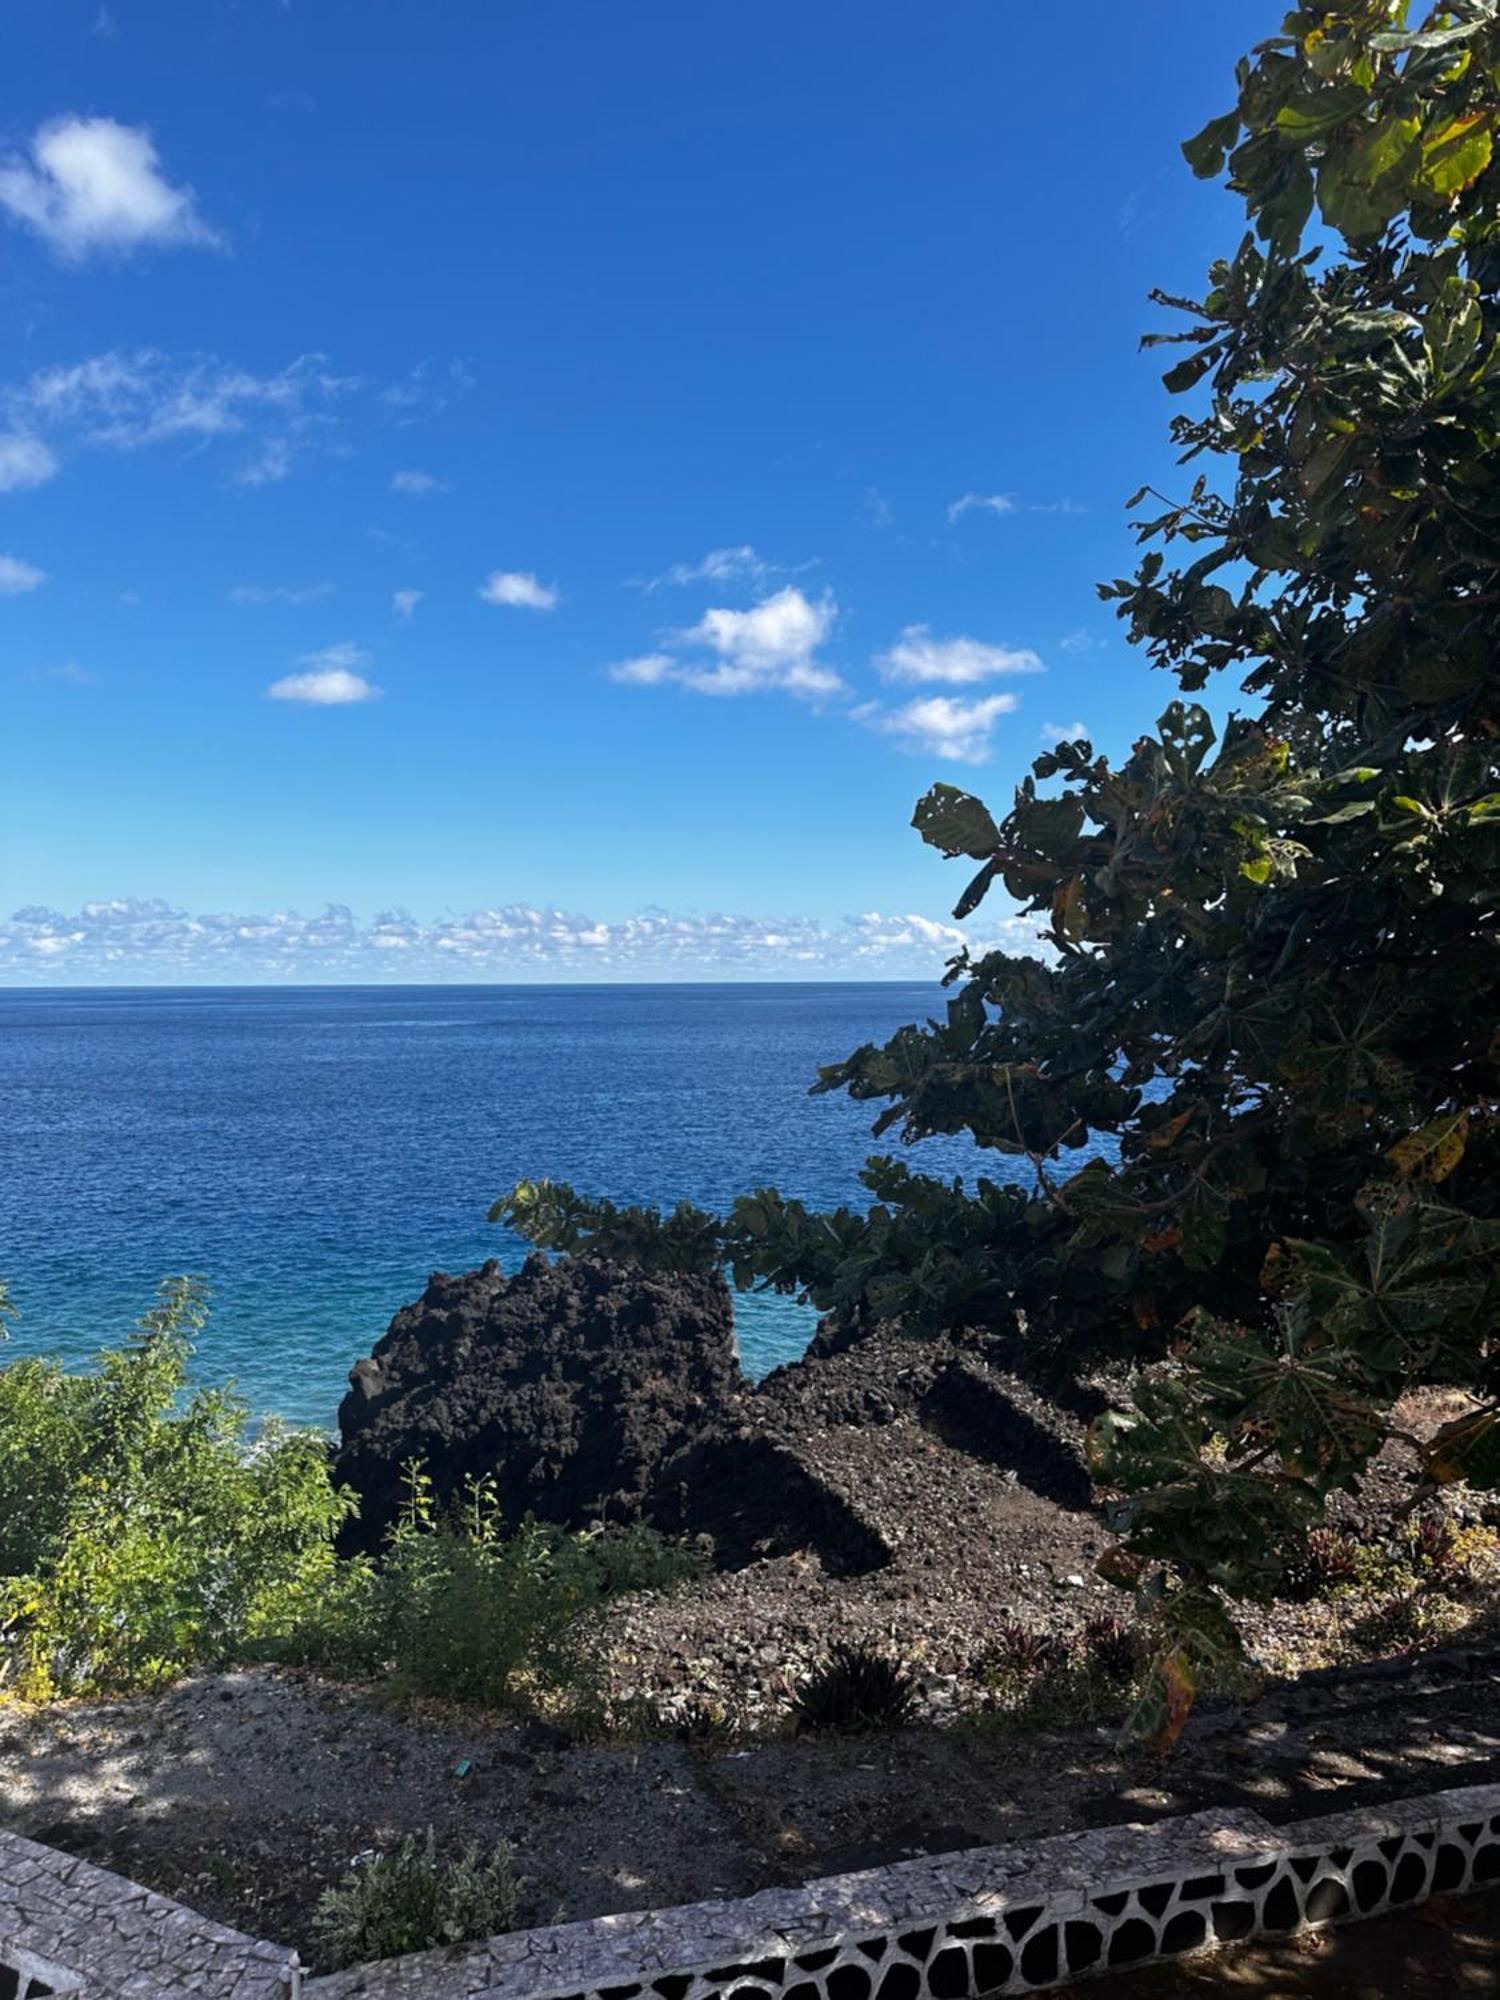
316	1152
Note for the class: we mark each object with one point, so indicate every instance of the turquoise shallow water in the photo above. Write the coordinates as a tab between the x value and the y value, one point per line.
317	1152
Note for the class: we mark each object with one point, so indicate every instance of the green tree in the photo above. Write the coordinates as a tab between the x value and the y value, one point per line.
1272	987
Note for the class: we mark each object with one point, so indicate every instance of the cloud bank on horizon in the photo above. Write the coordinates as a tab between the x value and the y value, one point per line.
154	941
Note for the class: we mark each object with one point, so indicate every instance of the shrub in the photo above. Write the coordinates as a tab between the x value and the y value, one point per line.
412	1900
457	1609
853	1690
145	1528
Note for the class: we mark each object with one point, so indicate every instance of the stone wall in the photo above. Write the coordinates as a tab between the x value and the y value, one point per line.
951	1927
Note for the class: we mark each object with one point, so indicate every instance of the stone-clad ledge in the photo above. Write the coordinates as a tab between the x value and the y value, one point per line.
68	1928
991	1920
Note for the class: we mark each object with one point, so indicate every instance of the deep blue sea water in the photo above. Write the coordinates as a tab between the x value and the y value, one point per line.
315	1153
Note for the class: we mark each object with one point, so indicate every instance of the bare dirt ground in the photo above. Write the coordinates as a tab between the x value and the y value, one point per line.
246	1794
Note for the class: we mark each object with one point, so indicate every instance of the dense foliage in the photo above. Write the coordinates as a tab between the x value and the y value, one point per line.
144	1529
1270	1001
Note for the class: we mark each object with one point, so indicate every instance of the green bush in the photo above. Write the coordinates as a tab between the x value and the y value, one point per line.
146	1529
411	1900
457	1609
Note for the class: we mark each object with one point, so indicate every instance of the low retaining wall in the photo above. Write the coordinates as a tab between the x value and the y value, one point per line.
991	1920
69	1928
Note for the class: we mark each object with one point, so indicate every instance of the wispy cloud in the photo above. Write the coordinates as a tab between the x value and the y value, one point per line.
958	662
1007	503
24	461
88	185
329	679
431	386
417	482
154	940
942	725
17	576
736	565
279	593
1064	732
129	401
69	674
991	503
645	670
404	603
878	509
520	588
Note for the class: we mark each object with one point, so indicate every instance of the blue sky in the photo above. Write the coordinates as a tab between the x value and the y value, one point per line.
556	482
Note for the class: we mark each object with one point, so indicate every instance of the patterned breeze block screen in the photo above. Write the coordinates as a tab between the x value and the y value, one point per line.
989	1921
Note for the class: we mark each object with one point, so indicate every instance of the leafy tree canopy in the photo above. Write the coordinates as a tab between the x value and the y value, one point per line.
1270	1006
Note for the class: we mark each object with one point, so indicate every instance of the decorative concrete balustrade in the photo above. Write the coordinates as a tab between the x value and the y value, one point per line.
990	1920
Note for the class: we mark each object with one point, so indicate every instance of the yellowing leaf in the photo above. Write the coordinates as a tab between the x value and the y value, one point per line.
1432	1153
1456	153
1468	1448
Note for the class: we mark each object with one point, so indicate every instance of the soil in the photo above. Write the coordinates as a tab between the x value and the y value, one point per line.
246	1794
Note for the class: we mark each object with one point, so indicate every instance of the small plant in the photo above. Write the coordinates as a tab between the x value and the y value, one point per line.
1328	1560
1022	1651
1111	1649
853	1690
1434	1545
412	1899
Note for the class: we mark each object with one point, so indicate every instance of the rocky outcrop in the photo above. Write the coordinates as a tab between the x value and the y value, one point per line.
569	1384
589	1392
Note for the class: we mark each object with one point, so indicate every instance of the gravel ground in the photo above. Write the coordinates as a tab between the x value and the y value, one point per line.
246	1794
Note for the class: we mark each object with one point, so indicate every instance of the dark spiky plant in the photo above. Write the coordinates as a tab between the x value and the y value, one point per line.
1021	1650
854	1690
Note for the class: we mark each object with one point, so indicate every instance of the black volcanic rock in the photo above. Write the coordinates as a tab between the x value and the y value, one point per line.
570	1384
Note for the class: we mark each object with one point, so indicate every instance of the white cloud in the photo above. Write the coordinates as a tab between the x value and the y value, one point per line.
960	662
404	603
1064	732
993	503
646	670
329	678
70	674
90	184
128	401
17	576
520	588
24	461
416	481
1080	642
279	593
737	565
151	940
941	725
772	646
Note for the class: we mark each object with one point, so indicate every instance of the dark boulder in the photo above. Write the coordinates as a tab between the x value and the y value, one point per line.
570	1384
